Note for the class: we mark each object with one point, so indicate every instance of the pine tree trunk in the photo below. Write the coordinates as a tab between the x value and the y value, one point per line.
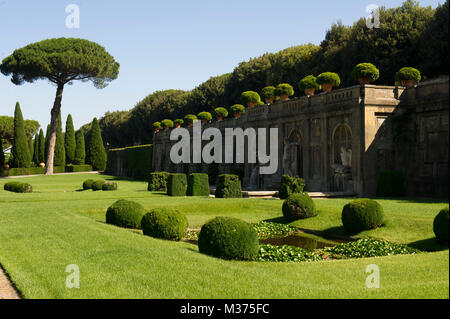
53	127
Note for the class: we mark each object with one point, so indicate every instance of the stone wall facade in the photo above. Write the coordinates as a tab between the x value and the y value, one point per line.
340	141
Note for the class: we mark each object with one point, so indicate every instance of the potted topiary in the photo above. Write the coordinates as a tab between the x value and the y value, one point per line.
268	94
250	99
6	167
205	117
220	113
237	110
178	123
167	124
190	119
284	91
42	165
157	126
365	73
309	85
328	80
407	76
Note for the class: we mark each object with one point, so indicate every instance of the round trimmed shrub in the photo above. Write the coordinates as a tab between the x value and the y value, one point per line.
362	214
109	186
250	97
228	238
268	92
284	89
329	78
179	121
18	187
298	206
167	123
157	125
308	82
164	223
87	184
190	118
98	185
204	116
408	74
366	71
221	111
126	214
441	225
237	109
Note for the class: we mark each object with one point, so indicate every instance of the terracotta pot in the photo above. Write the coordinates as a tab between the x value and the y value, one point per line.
42	165
237	115
219	118
284	97
251	104
166	128
204	121
364	81
408	84
6	166
191	124
310	91
177	125
156	130
327	87
269	100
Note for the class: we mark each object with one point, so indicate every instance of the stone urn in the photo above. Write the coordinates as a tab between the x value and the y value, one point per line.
364	81
251	104
177	125
408	83
42	165
166	128
219	118
237	115
327	87
284	97
310	92
269	100
6	166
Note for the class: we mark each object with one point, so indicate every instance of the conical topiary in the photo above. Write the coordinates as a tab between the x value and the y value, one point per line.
2	155
80	151
60	152
41	147
47	139
95	152
36	150
69	141
20	150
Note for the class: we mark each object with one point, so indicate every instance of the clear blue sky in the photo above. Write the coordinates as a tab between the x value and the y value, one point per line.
170	44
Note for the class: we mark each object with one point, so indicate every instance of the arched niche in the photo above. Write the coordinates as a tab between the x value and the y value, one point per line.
293	154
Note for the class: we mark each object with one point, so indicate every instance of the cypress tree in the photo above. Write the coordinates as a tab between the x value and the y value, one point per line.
69	141
36	150
80	151
96	153
41	147
60	152
47	138
2	155
20	150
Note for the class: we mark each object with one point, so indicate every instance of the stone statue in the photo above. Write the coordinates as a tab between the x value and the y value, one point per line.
346	156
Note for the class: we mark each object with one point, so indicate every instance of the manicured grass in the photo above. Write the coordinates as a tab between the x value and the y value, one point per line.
43	232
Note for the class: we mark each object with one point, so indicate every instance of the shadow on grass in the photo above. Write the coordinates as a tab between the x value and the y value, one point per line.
411	200
429	245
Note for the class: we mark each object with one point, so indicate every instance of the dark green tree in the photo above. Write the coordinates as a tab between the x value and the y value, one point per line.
60	61
95	153
41	147
69	140
60	152
47	139
20	150
80	151
36	150
2	155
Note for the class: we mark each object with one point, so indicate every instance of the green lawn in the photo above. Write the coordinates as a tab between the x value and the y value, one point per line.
57	225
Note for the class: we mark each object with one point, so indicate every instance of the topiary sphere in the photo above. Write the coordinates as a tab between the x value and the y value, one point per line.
362	214
87	184
179	121
190	118
298	206
284	89
228	238
441	225
167	123
164	223
126	214
308	82
98	185
329	78
204	116
250	97
109	186
221	111
268	92
366	71
408	74
157	125
237	109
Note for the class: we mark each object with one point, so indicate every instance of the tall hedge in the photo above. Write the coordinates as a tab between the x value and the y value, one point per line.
95	151
177	185
198	185
69	141
20	150
47	138
60	152
80	149
41	147
134	162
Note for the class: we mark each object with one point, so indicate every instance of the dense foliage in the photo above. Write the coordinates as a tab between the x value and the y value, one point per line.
198	185
290	185
286	254
268	229
268	92
80	149
366	248
329	78
109	186
164	223
126	214
87	184
136	161
70	141
362	214
221	112
228	186
366	71
95	150
308	82
237	109
167	123
298	206
250	97
97	185
228	238
408	74
158	182
441	225
7	129
60	152
204	116
284	89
